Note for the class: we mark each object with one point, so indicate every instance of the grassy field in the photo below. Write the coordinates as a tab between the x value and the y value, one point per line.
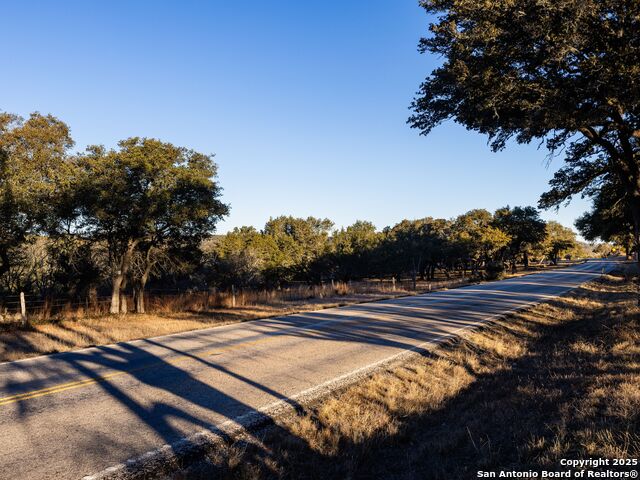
183	313
561	380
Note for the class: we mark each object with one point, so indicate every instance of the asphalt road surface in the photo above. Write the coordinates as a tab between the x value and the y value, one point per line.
73	414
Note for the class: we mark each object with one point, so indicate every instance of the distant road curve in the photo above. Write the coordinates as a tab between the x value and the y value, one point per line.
76	413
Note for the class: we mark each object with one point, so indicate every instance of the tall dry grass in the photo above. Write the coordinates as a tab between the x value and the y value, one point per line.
48	309
80	326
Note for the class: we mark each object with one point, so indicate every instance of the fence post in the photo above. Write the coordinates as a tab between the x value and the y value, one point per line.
393	284
23	310
233	296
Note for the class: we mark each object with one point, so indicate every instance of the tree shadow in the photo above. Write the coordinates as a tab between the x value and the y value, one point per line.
547	405
182	401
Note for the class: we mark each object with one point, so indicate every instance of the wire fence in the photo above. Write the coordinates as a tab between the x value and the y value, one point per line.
43	308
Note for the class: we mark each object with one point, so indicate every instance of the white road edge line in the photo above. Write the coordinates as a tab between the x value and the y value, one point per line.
278	407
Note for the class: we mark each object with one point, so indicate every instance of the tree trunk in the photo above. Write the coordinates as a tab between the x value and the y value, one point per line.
635	213
414	272
92	297
526	259
138	298
124	307
119	281
140	283
138	293
114	309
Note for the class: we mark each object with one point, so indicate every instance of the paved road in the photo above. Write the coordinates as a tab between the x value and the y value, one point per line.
76	413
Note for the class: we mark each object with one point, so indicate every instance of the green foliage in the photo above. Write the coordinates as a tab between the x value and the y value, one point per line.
299	243
243	257
524	227
609	219
144	197
353	251
147	191
561	72
560	241
477	239
296	249
33	164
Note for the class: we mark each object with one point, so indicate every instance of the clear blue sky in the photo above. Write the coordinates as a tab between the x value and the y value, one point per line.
303	103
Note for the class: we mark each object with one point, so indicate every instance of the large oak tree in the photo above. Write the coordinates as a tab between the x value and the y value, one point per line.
145	196
564	72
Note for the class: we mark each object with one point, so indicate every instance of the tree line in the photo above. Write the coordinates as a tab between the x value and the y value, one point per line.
71	223
477	243
112	221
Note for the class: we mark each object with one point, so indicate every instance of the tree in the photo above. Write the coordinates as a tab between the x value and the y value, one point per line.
562	72
559	241
353	250
478	239
33	166
525	228
145	196
416	246
609	219
244	257
300	242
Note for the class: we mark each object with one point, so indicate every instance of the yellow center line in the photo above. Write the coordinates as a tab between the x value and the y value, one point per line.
102	378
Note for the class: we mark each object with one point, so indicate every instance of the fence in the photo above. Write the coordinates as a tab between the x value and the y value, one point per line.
23	307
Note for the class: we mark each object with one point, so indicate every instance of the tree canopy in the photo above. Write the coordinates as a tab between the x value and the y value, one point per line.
564	73
33	164
524	227
143	196
609	219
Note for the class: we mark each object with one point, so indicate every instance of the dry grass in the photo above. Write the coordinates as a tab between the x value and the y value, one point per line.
184	312
69	334
559	381
76	327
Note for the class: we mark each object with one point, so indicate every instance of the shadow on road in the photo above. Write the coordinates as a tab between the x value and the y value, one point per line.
399	324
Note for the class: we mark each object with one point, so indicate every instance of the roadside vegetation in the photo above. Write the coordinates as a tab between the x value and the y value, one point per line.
94	233
180	313
86	238
561	380
193	311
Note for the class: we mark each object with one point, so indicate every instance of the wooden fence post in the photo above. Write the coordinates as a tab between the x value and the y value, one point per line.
233	296
23	310
393	284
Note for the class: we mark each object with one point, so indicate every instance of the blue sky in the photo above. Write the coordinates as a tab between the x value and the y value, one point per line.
303	103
